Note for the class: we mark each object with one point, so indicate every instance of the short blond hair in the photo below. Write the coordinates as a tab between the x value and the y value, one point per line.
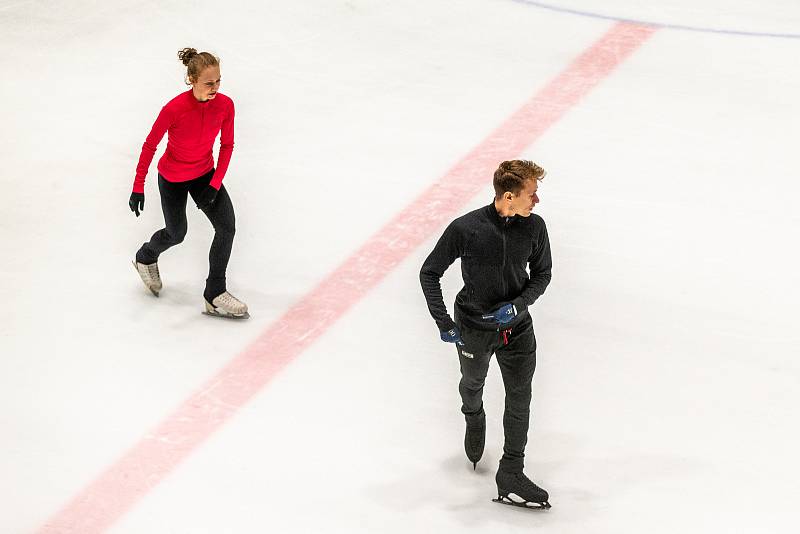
512	175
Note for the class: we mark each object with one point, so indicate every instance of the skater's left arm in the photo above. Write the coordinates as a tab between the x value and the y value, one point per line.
540	263
225	148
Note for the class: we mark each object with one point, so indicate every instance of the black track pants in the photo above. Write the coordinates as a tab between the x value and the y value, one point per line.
516	355
221	215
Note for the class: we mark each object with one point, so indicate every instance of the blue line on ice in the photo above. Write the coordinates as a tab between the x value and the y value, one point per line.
660	25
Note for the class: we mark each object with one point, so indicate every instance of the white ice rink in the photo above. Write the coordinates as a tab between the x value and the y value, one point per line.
668	377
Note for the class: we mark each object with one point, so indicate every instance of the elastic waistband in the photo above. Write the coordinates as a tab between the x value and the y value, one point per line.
205	176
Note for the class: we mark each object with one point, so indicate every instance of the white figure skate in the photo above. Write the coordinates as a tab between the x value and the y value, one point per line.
150	276
227	306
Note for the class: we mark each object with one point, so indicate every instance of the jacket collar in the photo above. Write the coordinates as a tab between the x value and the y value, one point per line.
495	217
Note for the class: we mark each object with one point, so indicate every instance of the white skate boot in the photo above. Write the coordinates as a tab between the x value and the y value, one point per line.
149	275
228	306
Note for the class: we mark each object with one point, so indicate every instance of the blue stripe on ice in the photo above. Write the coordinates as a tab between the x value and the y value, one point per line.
660	25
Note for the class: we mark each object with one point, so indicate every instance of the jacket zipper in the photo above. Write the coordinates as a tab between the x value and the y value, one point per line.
202	121
503	268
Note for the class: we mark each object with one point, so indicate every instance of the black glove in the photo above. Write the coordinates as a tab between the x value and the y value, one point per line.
136	203
207	198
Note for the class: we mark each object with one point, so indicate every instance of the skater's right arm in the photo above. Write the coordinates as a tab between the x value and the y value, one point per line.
445	252
160	127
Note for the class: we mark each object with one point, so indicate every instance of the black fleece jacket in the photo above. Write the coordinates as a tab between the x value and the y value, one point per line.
494	252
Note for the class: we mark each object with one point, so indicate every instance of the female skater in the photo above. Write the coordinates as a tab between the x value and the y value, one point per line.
193	119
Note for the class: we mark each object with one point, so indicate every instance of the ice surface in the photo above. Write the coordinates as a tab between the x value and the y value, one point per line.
667	382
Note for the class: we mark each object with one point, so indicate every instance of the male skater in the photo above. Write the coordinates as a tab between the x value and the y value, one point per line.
496	243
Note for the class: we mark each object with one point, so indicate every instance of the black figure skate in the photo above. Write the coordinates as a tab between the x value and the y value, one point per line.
528	494
475	437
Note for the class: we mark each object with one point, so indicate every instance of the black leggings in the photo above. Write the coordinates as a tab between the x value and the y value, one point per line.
173	204
516	355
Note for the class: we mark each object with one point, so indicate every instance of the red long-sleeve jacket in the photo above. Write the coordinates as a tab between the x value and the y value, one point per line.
193	126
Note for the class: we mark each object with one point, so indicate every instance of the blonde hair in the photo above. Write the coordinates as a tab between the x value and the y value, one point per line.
196	62
512	175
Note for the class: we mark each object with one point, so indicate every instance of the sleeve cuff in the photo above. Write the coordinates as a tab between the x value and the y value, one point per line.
445	326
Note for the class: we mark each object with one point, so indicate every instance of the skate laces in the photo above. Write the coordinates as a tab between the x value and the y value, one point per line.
228	301
526	483
152	271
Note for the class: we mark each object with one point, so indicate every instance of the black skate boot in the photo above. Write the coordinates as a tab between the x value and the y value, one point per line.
475	437
528	494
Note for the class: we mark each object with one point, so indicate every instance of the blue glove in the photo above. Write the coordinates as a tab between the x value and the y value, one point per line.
502	315
452	336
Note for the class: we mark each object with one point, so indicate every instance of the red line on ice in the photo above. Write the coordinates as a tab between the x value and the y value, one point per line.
97	506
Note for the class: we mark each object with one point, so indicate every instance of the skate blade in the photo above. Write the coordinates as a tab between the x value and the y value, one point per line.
525	504
228	315
215	312
153	291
